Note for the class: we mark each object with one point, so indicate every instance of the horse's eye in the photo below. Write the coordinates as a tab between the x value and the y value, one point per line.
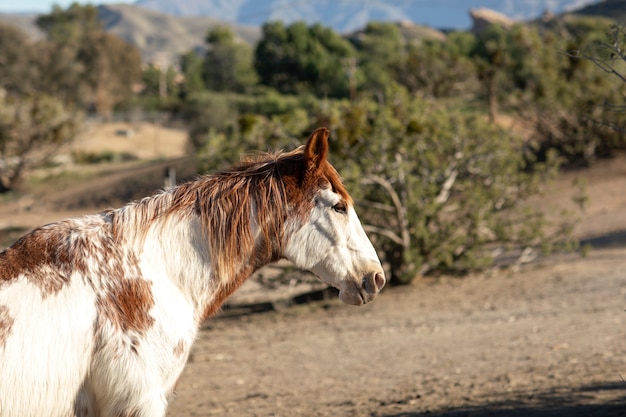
340	208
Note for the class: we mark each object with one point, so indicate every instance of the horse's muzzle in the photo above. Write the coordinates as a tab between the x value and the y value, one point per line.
359	293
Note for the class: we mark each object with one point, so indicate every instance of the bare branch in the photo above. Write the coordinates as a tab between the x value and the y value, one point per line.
617	108
603	65
387	186
444	193
609	125
397	202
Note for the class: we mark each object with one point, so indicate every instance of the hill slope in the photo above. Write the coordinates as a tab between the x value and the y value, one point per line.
164	29
614	9
347	16
162	37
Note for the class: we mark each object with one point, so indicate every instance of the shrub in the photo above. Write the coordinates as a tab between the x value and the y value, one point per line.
437	189
440	189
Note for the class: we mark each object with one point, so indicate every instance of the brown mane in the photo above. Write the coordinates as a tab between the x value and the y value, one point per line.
281	188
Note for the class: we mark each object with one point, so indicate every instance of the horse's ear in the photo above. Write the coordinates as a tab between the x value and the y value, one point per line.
316	148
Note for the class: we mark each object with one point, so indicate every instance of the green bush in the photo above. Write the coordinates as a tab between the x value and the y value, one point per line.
238	117
437	189
87	158
440	190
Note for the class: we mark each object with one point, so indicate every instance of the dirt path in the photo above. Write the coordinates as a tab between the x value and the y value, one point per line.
548	341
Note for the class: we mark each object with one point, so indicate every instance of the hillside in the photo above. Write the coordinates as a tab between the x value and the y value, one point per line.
162	37
347	16
614	9
164	29
24	22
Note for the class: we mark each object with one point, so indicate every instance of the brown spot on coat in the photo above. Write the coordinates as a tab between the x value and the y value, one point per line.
46	257
127	304
6	323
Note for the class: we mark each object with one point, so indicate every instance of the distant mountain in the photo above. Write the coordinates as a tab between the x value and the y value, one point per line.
24	22
348	15
614	9
161	37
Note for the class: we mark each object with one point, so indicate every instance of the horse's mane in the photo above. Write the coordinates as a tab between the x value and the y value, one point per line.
225	202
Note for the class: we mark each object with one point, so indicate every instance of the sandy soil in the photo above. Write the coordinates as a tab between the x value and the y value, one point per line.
549	340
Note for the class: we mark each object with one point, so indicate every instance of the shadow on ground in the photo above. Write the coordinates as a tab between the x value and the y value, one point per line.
609	240
603	400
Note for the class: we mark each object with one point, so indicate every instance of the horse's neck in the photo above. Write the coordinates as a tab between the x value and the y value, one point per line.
176	251
171	254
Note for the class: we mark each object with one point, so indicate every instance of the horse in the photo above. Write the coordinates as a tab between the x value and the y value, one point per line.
98	313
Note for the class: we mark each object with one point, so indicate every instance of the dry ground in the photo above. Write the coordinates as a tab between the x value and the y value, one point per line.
549	340
144	140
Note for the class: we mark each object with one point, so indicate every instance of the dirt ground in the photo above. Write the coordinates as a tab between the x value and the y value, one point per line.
549	340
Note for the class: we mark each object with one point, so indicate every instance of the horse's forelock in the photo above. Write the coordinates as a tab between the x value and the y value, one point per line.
332	176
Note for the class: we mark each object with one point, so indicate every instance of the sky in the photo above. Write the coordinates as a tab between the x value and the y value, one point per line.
44	6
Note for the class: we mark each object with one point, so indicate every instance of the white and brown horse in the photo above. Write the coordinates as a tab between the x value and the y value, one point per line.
98	313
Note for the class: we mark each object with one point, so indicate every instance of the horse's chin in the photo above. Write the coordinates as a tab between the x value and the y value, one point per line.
355	295
351	297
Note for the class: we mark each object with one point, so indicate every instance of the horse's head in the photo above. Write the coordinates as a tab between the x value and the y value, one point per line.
327	238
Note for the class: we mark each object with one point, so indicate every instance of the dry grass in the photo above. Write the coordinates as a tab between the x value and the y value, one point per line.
144	140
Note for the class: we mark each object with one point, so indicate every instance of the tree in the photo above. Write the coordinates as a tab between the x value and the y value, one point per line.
191	66
64	31
84	64
158	82
301	59
435	68
228	64
572	102
68	26
493	57
381	47
18	66
438	189
31	131
605	54
112	67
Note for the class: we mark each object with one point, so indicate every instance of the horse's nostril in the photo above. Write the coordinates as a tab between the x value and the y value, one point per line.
379	281
373	283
